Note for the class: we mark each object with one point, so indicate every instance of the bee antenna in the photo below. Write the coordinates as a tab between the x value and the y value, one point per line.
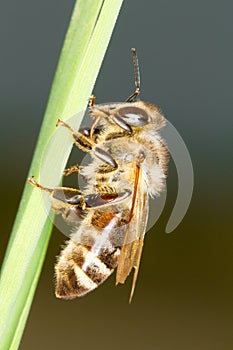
136	76
136	68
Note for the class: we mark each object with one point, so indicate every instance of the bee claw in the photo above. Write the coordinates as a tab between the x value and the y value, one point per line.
31	181
59	122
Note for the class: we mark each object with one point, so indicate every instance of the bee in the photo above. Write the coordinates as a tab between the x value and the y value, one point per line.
128	164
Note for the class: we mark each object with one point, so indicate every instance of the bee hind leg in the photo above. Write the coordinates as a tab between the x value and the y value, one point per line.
69	202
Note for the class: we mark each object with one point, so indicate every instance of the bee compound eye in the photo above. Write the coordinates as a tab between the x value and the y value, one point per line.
134	116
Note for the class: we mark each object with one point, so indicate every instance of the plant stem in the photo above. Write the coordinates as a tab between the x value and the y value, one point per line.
86	42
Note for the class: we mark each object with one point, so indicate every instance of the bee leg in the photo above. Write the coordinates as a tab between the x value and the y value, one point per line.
92	101
70	192
96	119
34	183
93	125
105	189
80	140
69	202
71	170
104	199
66	197
87	145
136	76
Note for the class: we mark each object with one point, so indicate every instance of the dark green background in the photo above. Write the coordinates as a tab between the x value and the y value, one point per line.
184	296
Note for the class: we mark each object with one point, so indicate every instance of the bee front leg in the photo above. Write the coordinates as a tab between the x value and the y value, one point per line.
82	141
88	145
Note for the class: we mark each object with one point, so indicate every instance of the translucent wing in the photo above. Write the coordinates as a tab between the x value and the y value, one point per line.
133	242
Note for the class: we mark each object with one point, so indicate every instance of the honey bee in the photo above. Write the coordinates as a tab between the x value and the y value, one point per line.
129	163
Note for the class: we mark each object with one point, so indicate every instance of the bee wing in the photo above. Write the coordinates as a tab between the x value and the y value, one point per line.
139	245
133	242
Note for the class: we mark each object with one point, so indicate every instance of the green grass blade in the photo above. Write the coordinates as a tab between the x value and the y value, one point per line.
86	42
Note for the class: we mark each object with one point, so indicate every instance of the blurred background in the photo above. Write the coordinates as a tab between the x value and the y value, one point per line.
184	295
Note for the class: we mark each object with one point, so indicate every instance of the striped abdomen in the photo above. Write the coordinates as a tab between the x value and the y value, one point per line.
79	270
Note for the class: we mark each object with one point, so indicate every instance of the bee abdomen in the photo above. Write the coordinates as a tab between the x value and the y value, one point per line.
79	270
